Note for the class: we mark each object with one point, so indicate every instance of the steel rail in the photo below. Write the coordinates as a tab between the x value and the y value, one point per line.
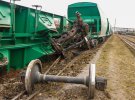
128	42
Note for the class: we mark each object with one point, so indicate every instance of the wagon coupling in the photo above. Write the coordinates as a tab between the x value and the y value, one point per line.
33	76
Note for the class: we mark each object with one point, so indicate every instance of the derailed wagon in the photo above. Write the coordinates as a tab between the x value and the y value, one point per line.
87	27
28	34
25	34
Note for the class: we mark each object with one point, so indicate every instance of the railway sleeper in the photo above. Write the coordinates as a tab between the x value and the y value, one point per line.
34	75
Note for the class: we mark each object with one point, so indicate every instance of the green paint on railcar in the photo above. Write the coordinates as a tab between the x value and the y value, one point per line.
5	20
89	13
92	15
20	42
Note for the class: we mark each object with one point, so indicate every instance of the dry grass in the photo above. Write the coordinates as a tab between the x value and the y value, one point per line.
117	63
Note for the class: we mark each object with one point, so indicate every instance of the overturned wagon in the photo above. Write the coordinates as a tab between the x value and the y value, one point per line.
25	34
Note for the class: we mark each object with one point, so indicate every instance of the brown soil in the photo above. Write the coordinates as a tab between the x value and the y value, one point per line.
74	67
10	85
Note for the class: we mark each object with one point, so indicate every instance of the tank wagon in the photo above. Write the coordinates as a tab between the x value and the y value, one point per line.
25	34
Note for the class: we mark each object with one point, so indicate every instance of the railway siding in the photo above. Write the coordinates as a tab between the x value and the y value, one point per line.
117	64
129	41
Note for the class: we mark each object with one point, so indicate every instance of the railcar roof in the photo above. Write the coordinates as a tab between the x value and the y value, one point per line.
78	4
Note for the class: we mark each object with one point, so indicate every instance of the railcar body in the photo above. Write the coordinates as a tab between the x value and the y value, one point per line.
25	34
91	14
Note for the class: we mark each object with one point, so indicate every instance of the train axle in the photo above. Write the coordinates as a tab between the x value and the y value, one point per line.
33	76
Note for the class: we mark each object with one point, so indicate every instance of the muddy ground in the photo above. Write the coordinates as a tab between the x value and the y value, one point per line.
113	60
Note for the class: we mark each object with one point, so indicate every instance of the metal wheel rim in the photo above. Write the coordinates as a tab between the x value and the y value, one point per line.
91	84
28	77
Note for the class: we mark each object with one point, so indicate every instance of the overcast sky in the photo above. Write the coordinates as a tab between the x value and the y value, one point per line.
122	10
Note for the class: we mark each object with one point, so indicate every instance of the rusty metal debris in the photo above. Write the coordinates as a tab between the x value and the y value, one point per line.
74	38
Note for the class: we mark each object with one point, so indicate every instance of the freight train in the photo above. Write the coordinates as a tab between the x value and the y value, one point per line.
91	14
27	33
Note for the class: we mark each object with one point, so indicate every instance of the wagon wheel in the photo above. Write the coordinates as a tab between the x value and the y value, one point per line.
91	82
31	78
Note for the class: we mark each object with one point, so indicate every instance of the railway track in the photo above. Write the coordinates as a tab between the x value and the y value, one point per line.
128	41
132	37
20	96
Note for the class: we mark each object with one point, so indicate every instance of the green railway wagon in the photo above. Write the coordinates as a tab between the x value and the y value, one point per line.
92	15
25	34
